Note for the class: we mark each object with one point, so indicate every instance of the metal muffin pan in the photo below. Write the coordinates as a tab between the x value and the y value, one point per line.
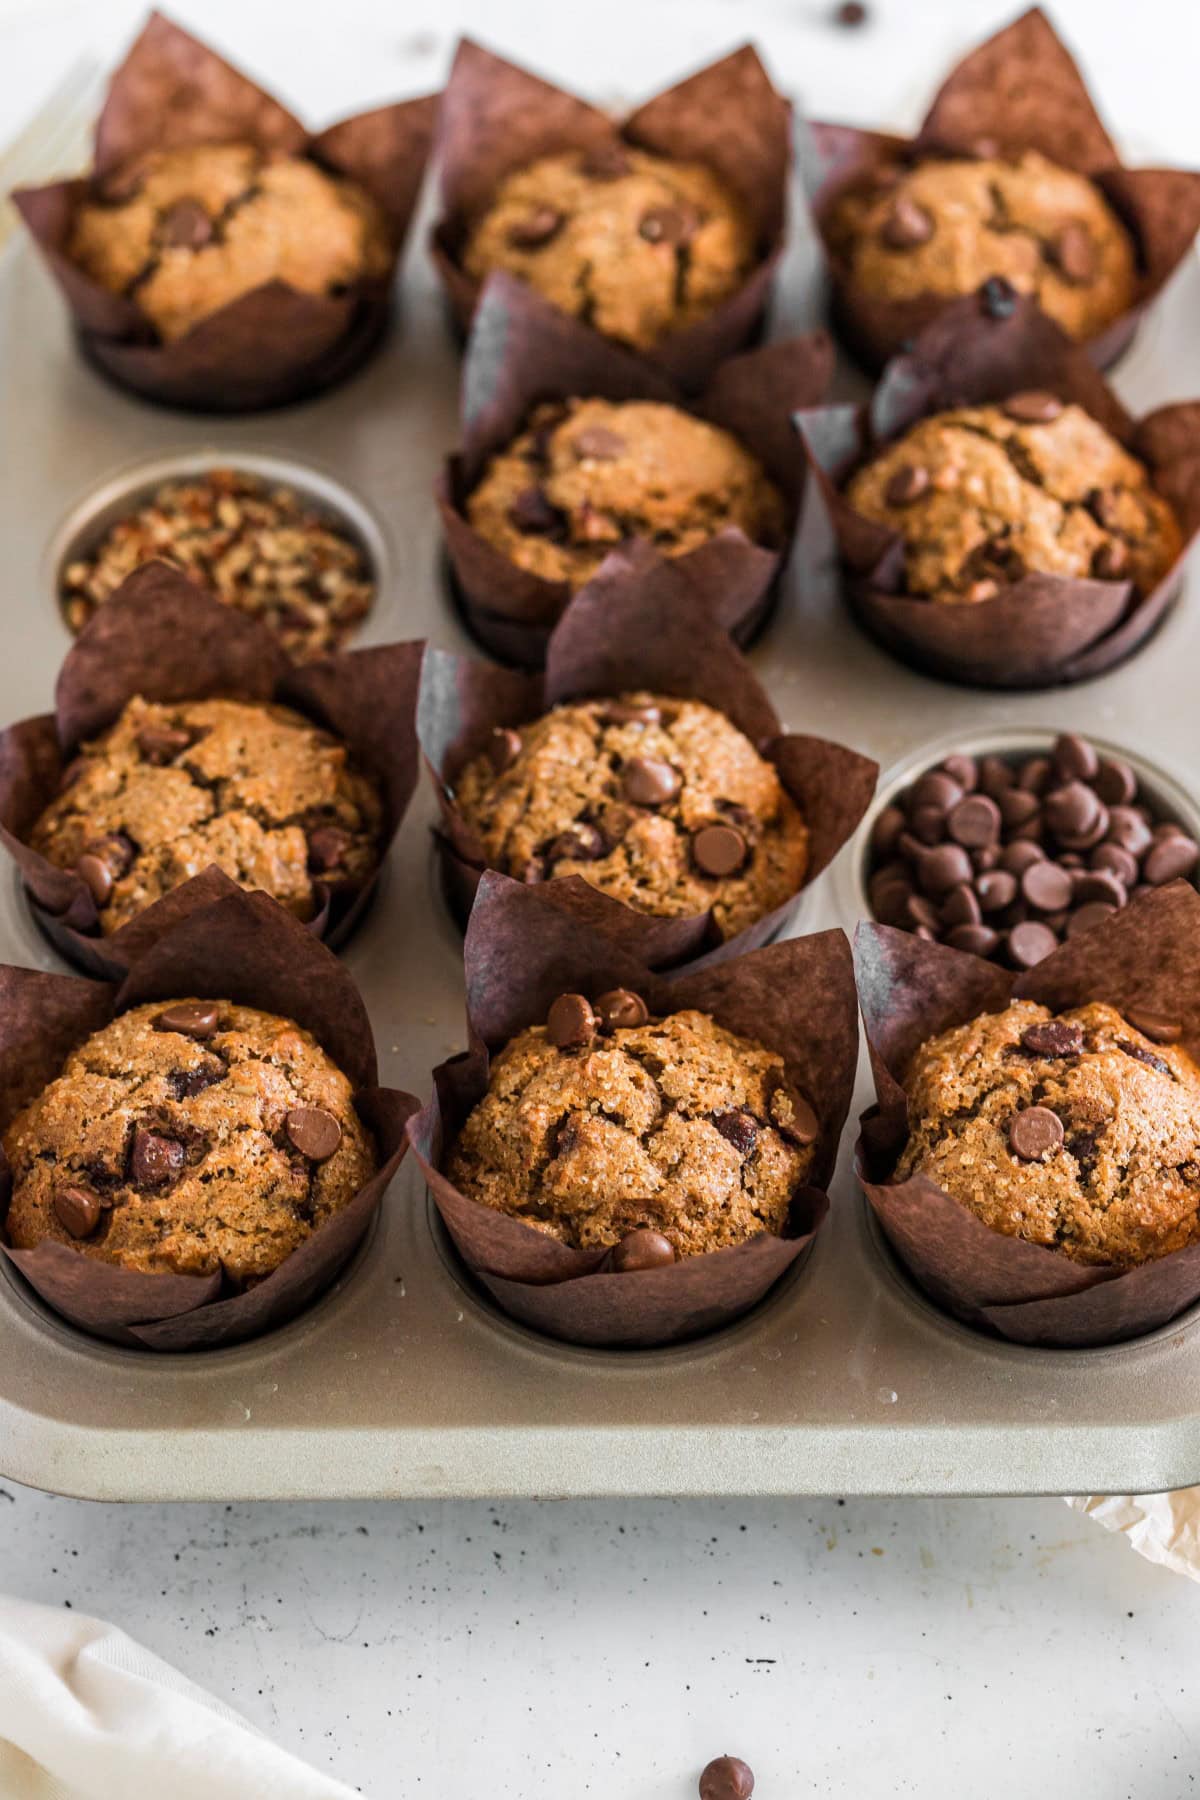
404	1380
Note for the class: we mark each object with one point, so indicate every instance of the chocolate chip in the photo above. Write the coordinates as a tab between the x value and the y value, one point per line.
570	1023
976	940
1017	807
995	776
908	484
1033	776
533	514
1034	1133
1129	830
996	889
937	789
1020	856
154	1159
161	744
1115	782
961	906
1113	859
1160	1028
1071	812
998	298
668	224
1074	758
1029	943
739	1127
596	443
642	1249
503	748
1033	407
1073	253
974	822
605	162
581	842
1139	1053
536	228
186	1083
1100	884
1170	859
906	225
886	830
327	847
629	712
621	1010
1053	1038
186	226
314	1132
793	1116
191	1018
1047	887
647	781
96	876
77	1210
941	869
1086	918
719	850
1111	560
964	770
851	13
727	1778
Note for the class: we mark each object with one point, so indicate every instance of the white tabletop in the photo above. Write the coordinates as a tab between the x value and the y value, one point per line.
855	1651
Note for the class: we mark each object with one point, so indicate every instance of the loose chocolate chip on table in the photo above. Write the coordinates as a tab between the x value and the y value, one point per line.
532	513
1047	887
327	847
1169	859
1053	1038
161	744
998	298
908	484
96	876
77	1210
740	1128
314	1132
1029	943
668	225
1158	1027
974	822
194	1019
536	228
1033	407
719	850
906	226
727	1778
648	781
621	1010
570	1023
1034	1133
851	13
1073	253
596	443
154	1159
186	226
503	748
642	1249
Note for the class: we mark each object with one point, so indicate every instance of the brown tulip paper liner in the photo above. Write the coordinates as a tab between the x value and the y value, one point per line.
496	117
241	948
273	344
1040	631
1021	90
523	351
1146	956
163	637
621	633
521	952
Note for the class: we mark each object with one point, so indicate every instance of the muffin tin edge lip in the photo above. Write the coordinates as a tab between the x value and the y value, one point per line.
119	491
1160	782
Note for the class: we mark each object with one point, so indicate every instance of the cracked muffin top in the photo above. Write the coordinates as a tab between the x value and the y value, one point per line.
944	227
604	1123
588	475
635	245
188	1138
258	790
660	803
184	232
1078	1131
985	494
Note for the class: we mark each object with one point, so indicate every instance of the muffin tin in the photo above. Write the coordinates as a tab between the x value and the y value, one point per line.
404	1380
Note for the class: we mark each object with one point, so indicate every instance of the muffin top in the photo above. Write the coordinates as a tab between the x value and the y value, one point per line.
985	494
1076	1131
184	232
943	227
661	803
634	244
269	797
188	1137
588	475
604	1121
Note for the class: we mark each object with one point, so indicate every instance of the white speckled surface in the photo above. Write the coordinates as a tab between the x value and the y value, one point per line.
856	1651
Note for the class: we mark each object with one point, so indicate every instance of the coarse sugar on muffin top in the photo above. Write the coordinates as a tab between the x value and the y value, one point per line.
588	475
272	799
661	803
634	244
1078	1131
183	232
605	1122
188	1137
982	495
944	226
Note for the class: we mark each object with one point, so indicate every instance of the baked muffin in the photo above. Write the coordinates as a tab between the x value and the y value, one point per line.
183	232
269	797
1079	1132
604	1122
188	1138
985	494
660	803
588	475
943	227
635	245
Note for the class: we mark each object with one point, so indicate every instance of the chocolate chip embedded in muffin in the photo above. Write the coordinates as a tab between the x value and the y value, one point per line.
984	495
171	1148
272	799
1073	1131
646	798
587	475
183	232
943	227
634	244
614	1140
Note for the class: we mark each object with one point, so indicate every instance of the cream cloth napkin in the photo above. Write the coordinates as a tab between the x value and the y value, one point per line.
1164	1528
87	1714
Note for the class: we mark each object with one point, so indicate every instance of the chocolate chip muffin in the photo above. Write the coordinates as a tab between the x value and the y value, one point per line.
187	1139
660	803
1079	1132
591	474
635	245
985	494
943	227
269	797
605	1127
183	232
